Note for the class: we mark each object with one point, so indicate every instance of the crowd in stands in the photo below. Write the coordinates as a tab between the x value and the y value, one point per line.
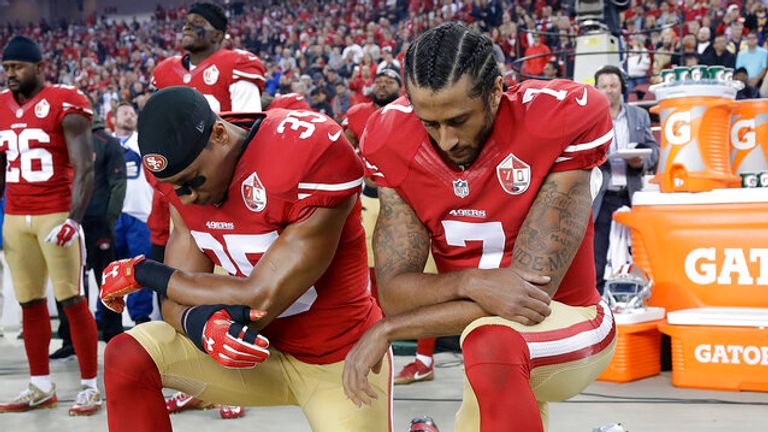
329	51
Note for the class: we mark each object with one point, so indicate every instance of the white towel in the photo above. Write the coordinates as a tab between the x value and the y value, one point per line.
619	245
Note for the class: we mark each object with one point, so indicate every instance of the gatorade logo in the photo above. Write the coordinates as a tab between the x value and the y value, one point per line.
732	354
677	130
706	266
743	134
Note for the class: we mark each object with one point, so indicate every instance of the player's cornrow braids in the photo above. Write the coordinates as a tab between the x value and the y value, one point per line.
441	56
460	60
437	41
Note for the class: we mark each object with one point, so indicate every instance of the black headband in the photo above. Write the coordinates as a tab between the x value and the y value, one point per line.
23	49
212	13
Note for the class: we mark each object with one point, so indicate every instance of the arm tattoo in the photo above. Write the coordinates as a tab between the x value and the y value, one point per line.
400	240
554	228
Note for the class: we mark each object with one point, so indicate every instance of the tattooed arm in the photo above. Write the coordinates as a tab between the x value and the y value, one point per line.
554	228
547	241
401	247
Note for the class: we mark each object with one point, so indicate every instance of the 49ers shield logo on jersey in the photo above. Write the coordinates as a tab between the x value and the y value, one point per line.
514	175
254	194
42	109
211	75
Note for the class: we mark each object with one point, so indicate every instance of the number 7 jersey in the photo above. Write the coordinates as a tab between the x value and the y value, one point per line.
38	171
473	216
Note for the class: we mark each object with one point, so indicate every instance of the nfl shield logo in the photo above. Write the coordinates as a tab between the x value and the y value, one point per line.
211	75
254	194
461	188
187	78
514	175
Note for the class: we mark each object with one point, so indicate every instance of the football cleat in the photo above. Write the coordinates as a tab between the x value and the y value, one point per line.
231	411
423	424
181	402
87	402
31	398
415	371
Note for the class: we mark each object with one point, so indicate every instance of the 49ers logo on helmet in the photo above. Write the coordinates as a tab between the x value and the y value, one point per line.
155	162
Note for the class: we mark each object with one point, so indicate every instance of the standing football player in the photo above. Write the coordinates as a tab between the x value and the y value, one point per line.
273	199
230	80
45	137
498	185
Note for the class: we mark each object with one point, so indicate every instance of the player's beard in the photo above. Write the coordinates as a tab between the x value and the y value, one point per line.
25	87
384	100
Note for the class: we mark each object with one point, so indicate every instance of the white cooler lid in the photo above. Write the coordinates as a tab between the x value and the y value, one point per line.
637	316
716	196
721	316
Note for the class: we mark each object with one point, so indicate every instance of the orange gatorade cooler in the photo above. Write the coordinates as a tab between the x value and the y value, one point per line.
719	348
702	249
749	136
695	127
638	347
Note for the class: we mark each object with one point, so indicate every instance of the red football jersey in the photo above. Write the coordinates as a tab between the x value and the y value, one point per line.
290	101
297	161
38	172
473	216
213	76
357	117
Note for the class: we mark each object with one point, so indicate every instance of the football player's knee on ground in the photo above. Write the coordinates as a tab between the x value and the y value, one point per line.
134	388
498	367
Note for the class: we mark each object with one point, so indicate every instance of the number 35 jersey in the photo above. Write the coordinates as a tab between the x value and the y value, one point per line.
296	162
37	169
473	216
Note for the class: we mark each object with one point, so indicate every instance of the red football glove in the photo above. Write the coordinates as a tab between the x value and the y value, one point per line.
117	281
221	331
65	234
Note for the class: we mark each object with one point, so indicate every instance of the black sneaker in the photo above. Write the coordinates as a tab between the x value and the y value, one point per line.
63	353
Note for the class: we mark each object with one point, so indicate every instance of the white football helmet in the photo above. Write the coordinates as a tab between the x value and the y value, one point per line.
628	288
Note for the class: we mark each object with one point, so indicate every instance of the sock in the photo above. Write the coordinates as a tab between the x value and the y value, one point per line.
424	359
89	383
85	337
497	364
426	347
36	325
135	389
43	382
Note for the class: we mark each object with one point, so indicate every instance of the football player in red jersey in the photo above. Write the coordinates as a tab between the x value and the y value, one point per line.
276	205
231	80
386	88
47	161
498	185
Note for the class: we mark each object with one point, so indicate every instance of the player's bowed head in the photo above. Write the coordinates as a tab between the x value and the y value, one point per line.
455	87
185	144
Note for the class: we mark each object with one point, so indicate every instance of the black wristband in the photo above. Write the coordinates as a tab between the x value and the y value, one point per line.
154	275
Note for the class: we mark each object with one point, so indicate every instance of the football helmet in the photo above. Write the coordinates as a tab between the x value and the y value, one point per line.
423	424
627	288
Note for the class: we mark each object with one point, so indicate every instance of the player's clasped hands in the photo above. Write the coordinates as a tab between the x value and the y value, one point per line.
510	294
222	332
